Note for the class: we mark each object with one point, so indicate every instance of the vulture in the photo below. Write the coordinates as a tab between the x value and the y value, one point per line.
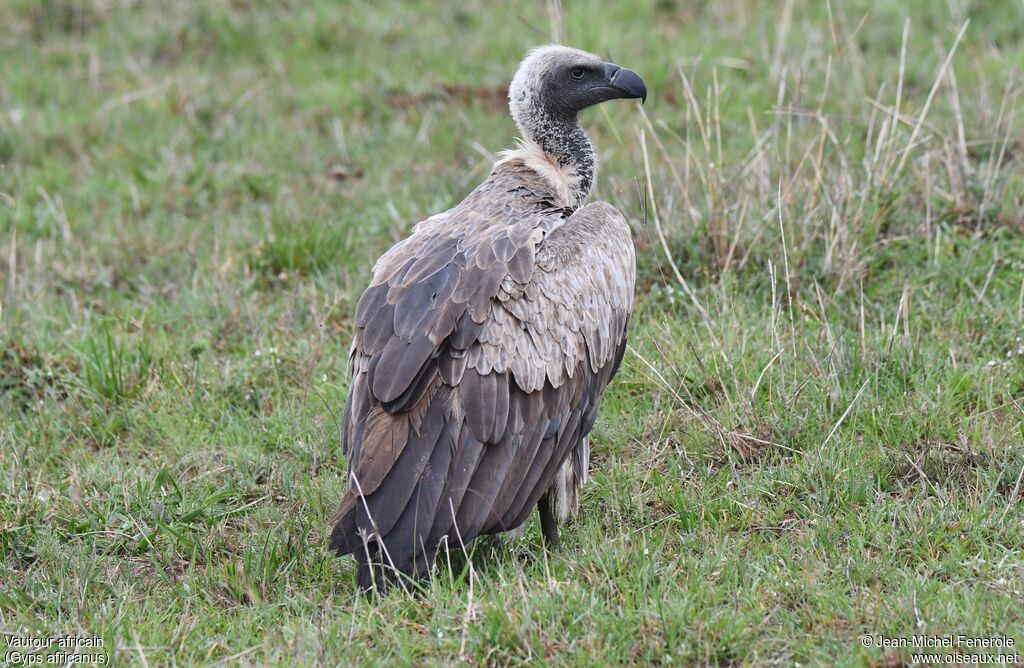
486	339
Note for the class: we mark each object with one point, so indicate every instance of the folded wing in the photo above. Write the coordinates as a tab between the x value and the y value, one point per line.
482	349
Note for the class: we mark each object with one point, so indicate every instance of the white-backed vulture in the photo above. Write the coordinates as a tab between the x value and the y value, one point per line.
485	340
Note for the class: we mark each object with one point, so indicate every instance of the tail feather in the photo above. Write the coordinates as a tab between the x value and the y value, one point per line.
570	478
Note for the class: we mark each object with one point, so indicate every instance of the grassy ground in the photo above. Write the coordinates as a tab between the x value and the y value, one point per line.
818	431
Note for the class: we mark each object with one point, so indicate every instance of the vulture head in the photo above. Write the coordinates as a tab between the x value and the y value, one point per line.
552	85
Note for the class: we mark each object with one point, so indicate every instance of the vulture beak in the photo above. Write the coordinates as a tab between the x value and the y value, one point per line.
624	83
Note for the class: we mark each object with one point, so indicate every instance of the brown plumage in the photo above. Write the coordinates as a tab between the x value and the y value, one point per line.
486	339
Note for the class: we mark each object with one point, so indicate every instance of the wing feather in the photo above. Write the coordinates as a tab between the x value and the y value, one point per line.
415	302
399	364
479	394
381	510
464	465
379	330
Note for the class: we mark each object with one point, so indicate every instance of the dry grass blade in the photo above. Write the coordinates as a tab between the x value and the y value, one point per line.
928	101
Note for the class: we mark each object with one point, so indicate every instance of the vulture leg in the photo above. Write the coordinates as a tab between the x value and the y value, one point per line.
549	519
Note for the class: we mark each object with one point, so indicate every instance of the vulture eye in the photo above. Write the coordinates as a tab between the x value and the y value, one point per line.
577	73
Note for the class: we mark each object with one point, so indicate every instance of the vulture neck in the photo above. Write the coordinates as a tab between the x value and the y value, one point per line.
564	139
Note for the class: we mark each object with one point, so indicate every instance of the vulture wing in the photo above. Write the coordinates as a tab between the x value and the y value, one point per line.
482	349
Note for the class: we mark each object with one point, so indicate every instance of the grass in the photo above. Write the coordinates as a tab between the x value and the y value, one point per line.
818	430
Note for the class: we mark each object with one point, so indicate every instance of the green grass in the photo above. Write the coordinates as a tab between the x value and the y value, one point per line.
818	430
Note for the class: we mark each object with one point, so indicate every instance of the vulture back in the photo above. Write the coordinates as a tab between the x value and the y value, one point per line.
482	349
